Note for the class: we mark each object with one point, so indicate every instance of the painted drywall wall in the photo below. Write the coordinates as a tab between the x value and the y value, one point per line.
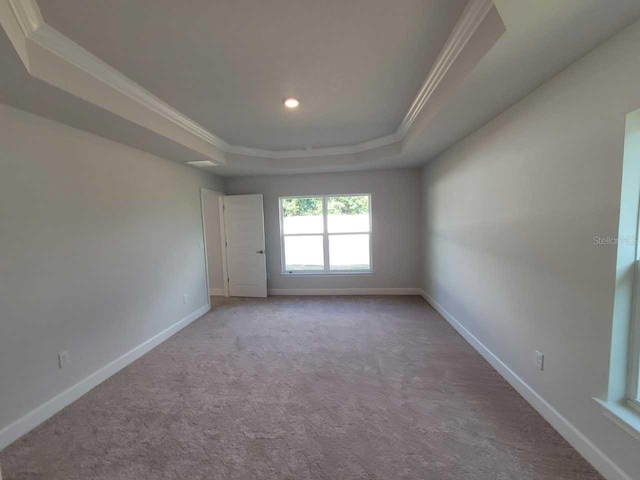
211	205
99	243
510	215
395	199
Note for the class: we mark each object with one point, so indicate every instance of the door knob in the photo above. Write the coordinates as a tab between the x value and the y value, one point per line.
260	251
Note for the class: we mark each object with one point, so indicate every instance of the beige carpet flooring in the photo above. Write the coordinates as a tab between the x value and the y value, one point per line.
302	388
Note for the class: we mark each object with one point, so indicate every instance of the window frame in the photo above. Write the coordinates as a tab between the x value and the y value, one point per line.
633	380
325	237
621	404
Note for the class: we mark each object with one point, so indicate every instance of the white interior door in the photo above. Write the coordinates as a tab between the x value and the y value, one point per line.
246	261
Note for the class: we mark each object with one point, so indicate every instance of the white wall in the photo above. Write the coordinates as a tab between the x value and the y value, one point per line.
211	205
509	219
98	244
395	198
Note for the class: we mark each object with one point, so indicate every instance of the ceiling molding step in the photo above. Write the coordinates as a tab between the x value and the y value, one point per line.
28	15
52	57
472	17
49	38
317	152
66	59
15	25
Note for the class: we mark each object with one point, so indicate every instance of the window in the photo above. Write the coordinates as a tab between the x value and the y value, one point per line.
629	242
633	385
326	234
622	401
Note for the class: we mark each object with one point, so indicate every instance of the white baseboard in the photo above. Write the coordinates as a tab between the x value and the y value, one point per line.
38	415
216	292
571	434
345	291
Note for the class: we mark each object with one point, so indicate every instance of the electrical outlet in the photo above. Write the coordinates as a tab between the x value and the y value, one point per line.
185	298
539	360
63	359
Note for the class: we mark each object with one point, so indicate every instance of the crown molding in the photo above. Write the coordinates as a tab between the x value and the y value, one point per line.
49	38
36	31
316	152
28	15
175	124
472	16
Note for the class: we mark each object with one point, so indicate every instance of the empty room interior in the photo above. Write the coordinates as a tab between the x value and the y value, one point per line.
321	240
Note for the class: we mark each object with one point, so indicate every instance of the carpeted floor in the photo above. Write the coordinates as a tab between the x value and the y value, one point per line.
302	388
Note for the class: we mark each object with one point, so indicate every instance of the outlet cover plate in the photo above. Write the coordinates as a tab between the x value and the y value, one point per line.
63	359
539	360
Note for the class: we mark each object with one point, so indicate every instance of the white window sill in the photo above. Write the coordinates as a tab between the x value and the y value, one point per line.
625	417
326	274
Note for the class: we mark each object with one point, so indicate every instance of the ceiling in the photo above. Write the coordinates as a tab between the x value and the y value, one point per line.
357	67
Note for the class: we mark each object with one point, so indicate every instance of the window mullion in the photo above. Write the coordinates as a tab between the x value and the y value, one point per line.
325	235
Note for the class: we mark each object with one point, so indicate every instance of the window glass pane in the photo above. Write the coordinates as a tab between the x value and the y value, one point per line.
348	214
349	252
304	253
302	215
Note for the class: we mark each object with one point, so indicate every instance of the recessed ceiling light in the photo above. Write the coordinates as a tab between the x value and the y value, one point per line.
291	102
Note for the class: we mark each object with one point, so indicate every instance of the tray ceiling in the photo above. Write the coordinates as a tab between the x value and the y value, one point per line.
50	55
492	57
356	65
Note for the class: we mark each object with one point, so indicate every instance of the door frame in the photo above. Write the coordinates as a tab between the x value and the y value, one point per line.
223	242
